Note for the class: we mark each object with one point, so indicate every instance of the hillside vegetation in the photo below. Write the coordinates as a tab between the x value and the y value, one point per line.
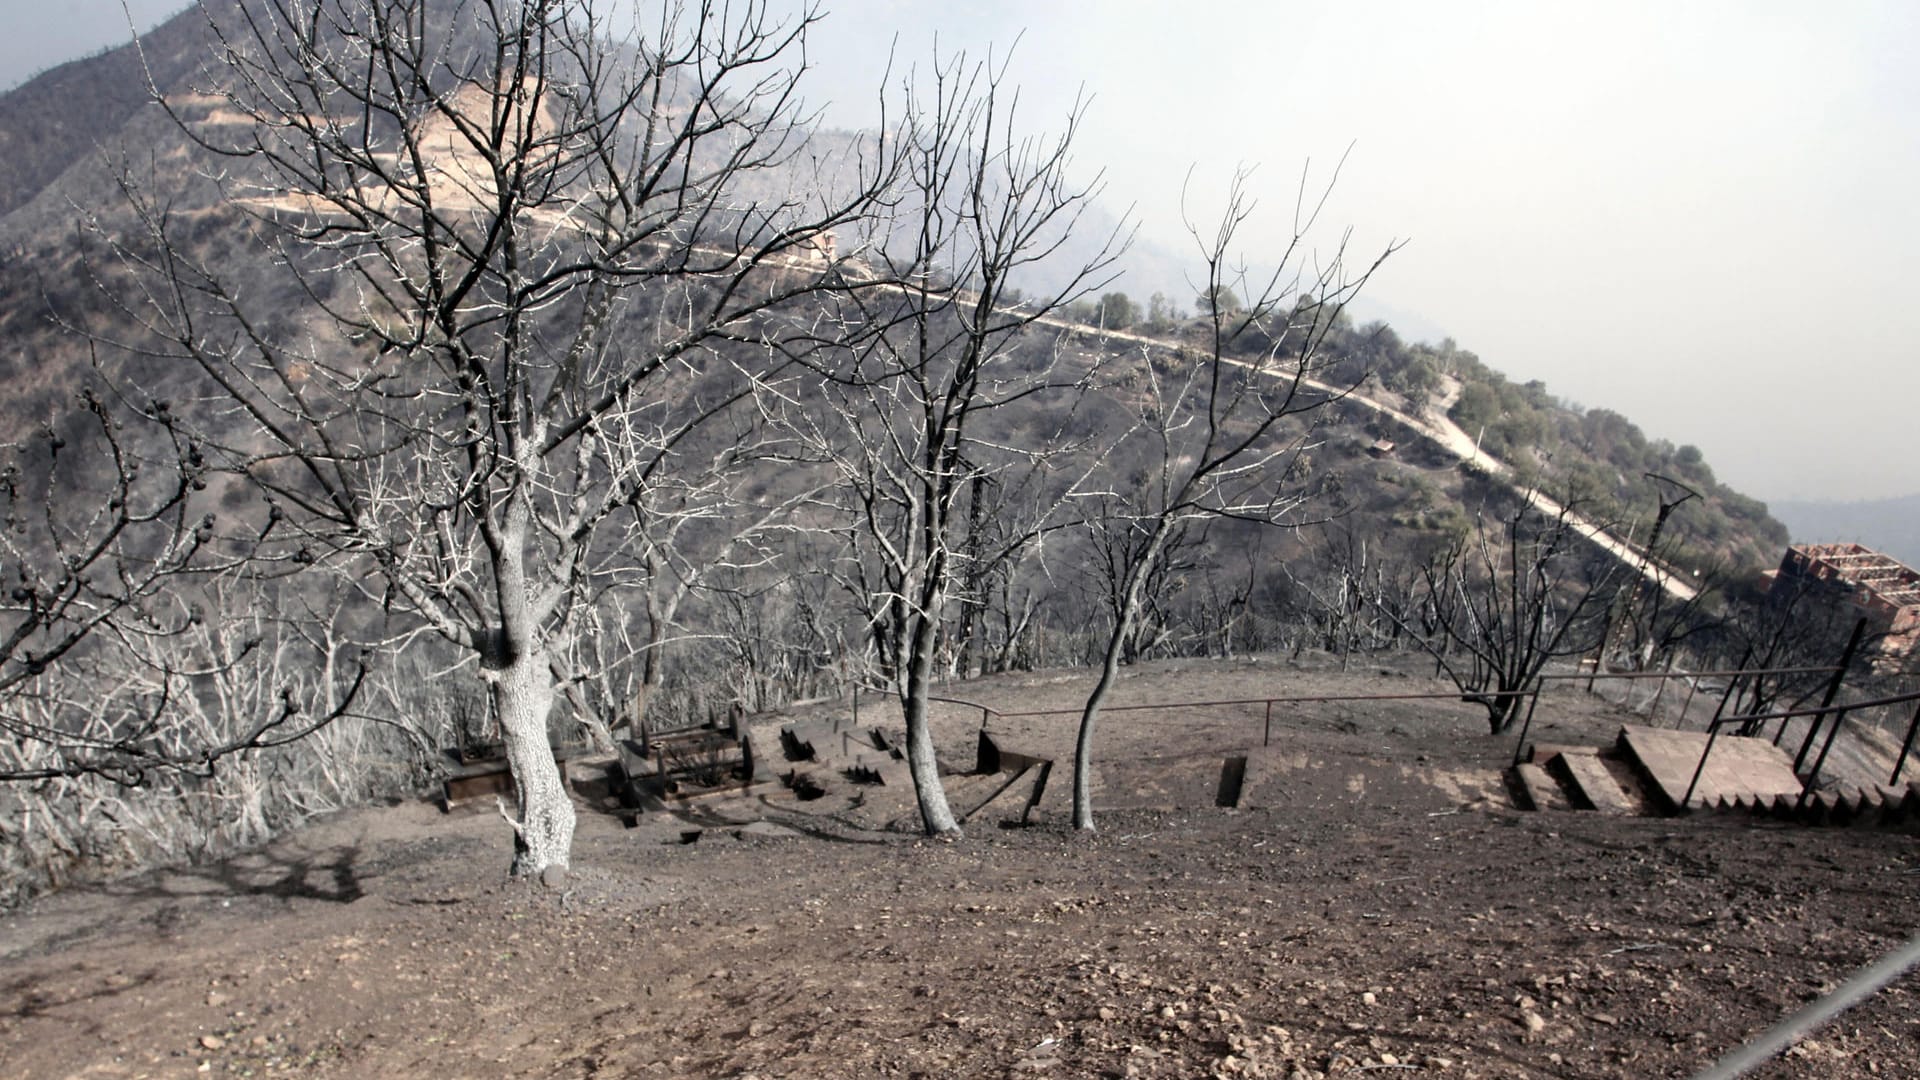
1602	457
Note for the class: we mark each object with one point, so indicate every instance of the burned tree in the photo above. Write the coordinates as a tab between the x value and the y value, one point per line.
1222	432
1494	608
938	366
517	264
113	559
1115	574
152	699
1356	597
1655	613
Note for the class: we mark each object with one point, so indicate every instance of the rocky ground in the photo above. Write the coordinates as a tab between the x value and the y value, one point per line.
1379	909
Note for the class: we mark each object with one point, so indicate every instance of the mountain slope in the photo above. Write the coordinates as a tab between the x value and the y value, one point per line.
57	119
71	129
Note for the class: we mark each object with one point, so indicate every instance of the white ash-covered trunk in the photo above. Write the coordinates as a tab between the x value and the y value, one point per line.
523	693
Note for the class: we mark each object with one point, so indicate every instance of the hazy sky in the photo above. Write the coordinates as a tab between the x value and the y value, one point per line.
38	34
1704	215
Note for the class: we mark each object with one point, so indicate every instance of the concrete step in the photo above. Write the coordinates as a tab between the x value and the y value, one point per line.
1589	784
831	742
1648	771
876	767
1542	752
1741	769
1866	807
1539	789
1818	808
759	759
797	740
1897	795
1878	806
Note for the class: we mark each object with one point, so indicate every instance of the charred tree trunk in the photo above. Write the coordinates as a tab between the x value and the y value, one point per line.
935	815
1083	742
1129	604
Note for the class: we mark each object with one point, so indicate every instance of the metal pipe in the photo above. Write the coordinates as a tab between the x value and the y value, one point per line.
1871	703
1267	739
1534	703
1839	717
1833	689
1779	1037
1721	709
1734	685
1815	670
1600	654
1905	748
1687	799
1693	687
1454	695
1531	692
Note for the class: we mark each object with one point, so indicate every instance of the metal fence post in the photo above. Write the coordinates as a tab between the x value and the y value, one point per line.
1833	690
1813	776
1693	687
1713	732
1721	709
1905	748
1533	703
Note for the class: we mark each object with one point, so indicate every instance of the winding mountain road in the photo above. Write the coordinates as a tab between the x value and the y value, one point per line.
1436	426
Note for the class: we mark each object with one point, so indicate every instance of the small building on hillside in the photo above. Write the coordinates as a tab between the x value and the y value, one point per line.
1876	587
